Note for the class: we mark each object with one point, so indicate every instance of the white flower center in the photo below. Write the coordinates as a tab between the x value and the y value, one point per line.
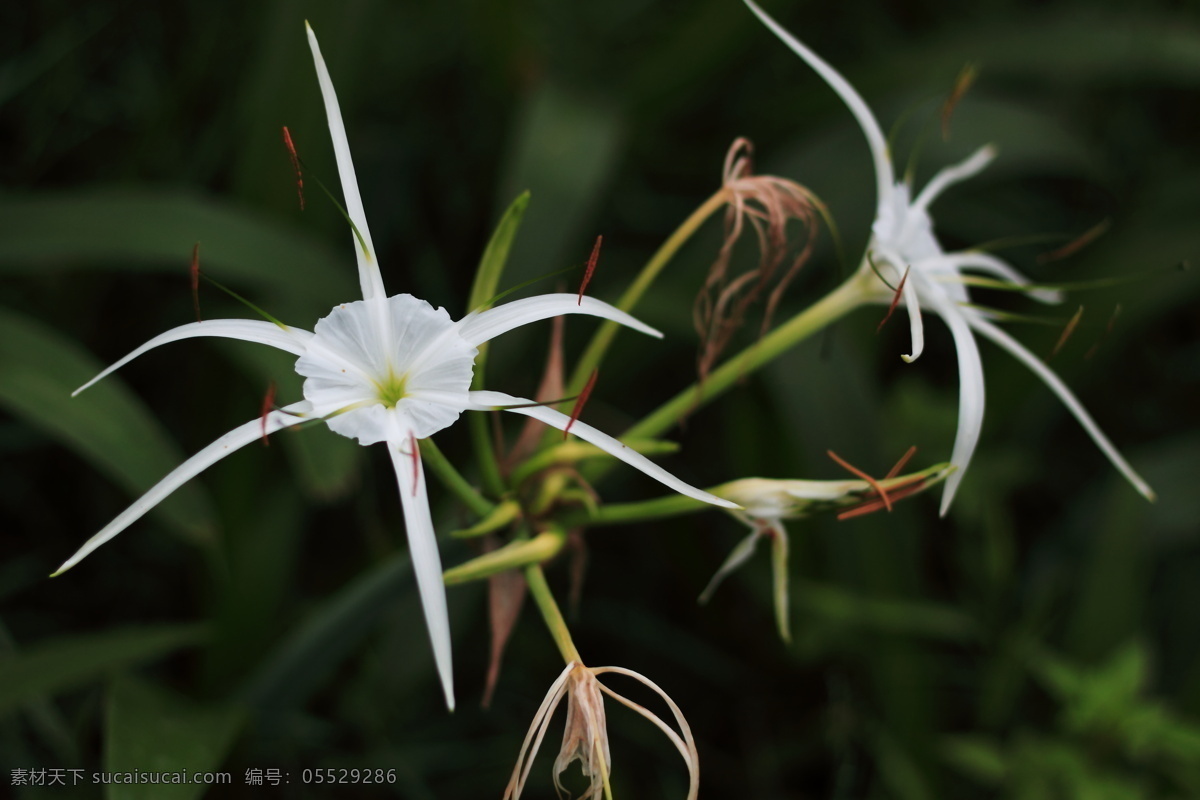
378	369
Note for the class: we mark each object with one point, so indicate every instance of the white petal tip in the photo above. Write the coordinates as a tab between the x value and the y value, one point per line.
1148	493
908	359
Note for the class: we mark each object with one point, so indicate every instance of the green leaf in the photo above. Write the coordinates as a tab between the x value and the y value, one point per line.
151	730
38	371
63	664
495	255
155	230
318	645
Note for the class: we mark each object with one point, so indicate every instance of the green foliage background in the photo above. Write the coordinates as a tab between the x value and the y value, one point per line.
1039	642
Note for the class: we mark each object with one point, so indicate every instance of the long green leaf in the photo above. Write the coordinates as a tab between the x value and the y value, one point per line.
71	661
150	730
38	371
155	230
318	645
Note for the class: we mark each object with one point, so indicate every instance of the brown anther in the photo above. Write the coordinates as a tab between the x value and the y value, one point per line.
581	400
267	405
291	148
414	454
872	504
1108	329
901	464
962	83
591	267
195	273
883	495
1072	324
895	301
1077	244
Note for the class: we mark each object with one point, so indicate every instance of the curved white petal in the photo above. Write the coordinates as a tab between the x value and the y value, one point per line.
912	302
483	326
970	393
368	268
948	176
953	262
740	554
884	178
1069	400
484	401
292	340
422	547
237	438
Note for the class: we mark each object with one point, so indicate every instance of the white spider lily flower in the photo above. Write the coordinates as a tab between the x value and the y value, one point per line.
387	369
766	503
585	737
904	246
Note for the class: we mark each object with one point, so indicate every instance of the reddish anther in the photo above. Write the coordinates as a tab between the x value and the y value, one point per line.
872	504
579	402
267	406
1072	324
591	267
895	301
416	463
1075	245
287	141
904	459
883	495
195	271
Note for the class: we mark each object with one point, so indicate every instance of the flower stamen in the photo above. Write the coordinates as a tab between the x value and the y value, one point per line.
295	158
858	472
895	300
581	401
593	259
1069	329
195	275
267	404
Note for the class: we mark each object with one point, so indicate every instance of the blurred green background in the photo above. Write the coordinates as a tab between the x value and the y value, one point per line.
1039	642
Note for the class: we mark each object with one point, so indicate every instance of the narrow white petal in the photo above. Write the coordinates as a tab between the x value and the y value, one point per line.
293	340
237	438
916	326
422	547
740	554
488	400
884	179
990	264
368	268
955	174
1069	400
971	393
483	326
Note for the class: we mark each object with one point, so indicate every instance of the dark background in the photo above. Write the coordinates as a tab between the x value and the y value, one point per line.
1039	642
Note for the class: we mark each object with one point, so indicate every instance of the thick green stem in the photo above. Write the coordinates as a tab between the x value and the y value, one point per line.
453	480
485	453
851	294
540	591
621	513
608	329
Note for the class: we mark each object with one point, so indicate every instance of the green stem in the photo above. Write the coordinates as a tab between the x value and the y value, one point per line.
621	513
489	468
825	311
453	480
540	591
608	329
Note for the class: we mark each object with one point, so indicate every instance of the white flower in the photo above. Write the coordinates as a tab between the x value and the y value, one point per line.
766	503
585	738
386	369
903	244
